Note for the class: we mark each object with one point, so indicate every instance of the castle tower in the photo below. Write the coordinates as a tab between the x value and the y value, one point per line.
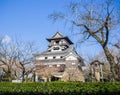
59	62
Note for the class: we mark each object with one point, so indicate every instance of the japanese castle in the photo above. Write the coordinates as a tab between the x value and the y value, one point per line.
60	61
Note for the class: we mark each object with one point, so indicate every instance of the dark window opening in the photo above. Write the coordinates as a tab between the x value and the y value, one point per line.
45	57
54	57
96	65
49	50
56	48
57	42
61	56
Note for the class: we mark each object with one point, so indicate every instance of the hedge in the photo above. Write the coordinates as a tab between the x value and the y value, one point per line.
60	88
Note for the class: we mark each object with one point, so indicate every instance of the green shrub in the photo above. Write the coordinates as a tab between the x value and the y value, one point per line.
60	88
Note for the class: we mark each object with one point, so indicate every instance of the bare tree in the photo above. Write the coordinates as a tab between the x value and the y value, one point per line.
25	58
49	71
72	74
15	59
96	20
7	59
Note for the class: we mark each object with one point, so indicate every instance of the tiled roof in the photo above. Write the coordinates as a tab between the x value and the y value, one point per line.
71	48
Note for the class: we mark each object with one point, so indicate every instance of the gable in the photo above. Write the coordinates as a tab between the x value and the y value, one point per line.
57	35
71	56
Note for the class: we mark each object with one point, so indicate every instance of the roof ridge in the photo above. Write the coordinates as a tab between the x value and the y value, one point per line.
59	35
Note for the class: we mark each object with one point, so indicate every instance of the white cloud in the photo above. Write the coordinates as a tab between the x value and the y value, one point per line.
6	39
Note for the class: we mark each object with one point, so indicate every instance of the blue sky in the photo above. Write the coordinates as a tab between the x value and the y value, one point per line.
28	20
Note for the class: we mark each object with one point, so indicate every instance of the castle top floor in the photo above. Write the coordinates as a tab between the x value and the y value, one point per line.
59	39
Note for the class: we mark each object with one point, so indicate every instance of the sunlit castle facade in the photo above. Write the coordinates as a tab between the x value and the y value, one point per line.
59	62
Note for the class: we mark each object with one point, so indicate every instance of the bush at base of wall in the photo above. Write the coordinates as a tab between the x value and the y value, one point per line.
60	88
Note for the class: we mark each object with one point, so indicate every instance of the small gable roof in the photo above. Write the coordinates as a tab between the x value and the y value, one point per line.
96	61
57	35
74	53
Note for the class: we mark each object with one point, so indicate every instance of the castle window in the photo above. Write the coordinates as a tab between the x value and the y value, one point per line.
46	57
57	42
96	65
61	56
49	50
54	57
56	48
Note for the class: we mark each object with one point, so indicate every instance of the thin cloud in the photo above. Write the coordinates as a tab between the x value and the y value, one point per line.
6	39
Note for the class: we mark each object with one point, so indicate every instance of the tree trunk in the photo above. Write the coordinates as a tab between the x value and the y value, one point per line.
23	77
111	61
9	76
34	75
